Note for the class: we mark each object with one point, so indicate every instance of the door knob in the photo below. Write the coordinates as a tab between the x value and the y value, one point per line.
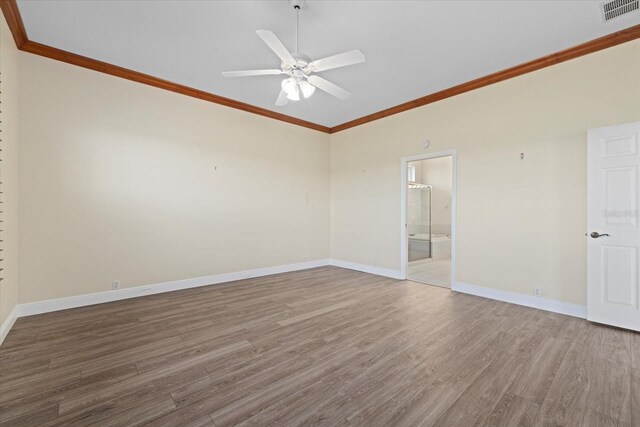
595	235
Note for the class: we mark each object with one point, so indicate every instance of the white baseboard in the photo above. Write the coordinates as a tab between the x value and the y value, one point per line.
555	306
48	306
8	323
394	274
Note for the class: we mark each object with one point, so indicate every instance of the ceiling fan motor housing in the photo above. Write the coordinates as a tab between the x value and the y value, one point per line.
298	74
301	60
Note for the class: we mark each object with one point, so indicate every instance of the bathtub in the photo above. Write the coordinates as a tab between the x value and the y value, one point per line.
441	246
419	243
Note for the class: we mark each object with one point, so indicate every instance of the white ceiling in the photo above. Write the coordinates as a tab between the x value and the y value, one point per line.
413	48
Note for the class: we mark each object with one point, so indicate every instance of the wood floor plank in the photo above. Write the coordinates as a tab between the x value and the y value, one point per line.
437	388
595	419
610	391
635	350
314	313
81	398
512	411
534	380
205	421
635	397
477	401
566	400
325	346
433	372
48	393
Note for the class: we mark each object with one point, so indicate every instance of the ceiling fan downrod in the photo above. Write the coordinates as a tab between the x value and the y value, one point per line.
297	5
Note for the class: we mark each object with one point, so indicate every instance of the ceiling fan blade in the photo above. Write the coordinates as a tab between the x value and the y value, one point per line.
276	46
336	61
329	87
282	99
249	73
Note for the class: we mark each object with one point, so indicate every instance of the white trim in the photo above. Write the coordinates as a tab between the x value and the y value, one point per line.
575	310
404	238
8	323
40	307
371	269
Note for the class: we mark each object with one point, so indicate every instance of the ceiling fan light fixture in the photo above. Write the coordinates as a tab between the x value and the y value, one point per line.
290	87
292	91
300	68
306	88
295	96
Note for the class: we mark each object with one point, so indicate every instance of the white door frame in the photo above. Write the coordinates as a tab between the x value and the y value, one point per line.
404	237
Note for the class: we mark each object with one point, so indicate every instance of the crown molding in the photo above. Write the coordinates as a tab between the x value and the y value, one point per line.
14	20
125	73
592	46
12	15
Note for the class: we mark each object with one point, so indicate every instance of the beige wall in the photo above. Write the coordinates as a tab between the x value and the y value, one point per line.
128	182
520	223
8	171
124	181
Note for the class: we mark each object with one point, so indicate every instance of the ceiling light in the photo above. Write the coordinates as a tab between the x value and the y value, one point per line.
292	87
306	88
289	85
295	95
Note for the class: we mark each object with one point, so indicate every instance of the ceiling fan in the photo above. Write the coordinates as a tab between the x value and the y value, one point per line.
300	68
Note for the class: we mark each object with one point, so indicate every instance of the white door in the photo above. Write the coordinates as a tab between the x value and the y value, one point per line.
613	250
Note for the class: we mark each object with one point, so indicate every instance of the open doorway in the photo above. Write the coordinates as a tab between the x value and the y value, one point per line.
429	213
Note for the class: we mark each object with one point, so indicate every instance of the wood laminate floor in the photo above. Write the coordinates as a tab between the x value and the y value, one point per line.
326	346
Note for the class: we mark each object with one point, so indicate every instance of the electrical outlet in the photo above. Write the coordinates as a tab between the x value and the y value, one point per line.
115	285
537	291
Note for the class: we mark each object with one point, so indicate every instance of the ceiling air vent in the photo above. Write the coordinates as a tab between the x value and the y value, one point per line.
615	8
